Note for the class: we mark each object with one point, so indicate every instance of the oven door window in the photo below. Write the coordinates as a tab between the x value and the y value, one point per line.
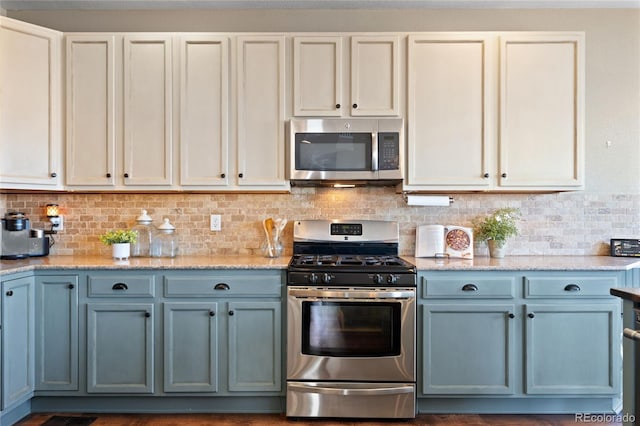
345	329
333	151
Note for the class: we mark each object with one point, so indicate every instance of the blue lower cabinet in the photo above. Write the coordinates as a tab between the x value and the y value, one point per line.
18	341
468	349
57	333
190	347
255	346
120	348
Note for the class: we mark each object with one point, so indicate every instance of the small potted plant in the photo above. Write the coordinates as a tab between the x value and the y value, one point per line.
120	242
496	228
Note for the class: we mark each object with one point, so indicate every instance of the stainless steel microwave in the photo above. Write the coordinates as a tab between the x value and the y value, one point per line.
346	151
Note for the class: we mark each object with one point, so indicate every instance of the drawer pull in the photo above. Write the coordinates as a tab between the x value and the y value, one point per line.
212	314
231	313
469	287
531	315
222	286
119	286
511	315
572	287
147	314
71	286
10	293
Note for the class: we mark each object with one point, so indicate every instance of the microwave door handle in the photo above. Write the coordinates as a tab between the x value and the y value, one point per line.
374	151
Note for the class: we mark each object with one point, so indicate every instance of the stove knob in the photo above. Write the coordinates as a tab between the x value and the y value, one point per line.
378	279
326	278
313	278
392	279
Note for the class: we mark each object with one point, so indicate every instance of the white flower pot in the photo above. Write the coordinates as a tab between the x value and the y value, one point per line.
497	248
121	251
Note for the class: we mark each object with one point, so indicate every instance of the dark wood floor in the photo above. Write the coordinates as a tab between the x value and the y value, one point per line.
276	419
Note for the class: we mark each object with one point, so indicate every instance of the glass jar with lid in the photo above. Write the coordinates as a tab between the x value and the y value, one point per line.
144	235
165	242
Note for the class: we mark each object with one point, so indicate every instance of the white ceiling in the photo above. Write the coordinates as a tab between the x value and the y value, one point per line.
310	4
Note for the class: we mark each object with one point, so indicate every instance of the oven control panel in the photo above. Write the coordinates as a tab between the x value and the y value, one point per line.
361	279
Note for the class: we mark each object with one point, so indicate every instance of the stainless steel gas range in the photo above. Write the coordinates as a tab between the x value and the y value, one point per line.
351	322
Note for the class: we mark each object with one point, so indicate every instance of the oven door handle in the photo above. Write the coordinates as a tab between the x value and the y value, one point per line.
352	294
631	334
341	390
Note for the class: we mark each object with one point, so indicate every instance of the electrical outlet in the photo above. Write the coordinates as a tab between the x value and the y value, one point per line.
216	222
57	222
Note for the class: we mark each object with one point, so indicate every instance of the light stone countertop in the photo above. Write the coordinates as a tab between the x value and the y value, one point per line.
483	263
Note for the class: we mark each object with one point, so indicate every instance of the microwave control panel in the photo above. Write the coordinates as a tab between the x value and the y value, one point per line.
388	150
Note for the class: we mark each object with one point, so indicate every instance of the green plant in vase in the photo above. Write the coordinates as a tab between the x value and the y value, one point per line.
120	242
496	228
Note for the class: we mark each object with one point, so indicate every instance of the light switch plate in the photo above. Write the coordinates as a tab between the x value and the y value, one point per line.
216	222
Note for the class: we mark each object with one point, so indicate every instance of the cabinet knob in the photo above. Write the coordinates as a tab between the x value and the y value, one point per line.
511	315
10	293
572	287
147	314
504	175
126	175
221	286
223	175
469	287
241	175
337	106
212	314
120	286
531	315
355	106
486	175
71	286
231	313
108	175
54	174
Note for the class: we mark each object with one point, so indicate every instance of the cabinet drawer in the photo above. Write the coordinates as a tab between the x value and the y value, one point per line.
223	285
499	287
121	286
569	286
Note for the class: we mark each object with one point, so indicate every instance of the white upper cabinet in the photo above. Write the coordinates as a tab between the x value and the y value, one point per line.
542	111
204	110
90	120
30	109
451	103
119	111
495	111
375	75
321	75
317	76
147	102
260	81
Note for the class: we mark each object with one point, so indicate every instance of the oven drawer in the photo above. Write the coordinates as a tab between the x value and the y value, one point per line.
487	287
355	399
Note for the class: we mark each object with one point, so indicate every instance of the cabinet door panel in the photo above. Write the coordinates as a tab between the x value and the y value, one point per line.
261	139
573	349
449	110
255	360
30	134
147	110
541	113
120	348
57	333
204	104
190	347
317	76
18	340
468	349
90	110
375	76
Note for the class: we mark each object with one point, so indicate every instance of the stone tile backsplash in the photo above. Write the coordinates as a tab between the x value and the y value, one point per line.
566	223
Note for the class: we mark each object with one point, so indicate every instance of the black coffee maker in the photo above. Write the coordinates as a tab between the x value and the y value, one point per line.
14	238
